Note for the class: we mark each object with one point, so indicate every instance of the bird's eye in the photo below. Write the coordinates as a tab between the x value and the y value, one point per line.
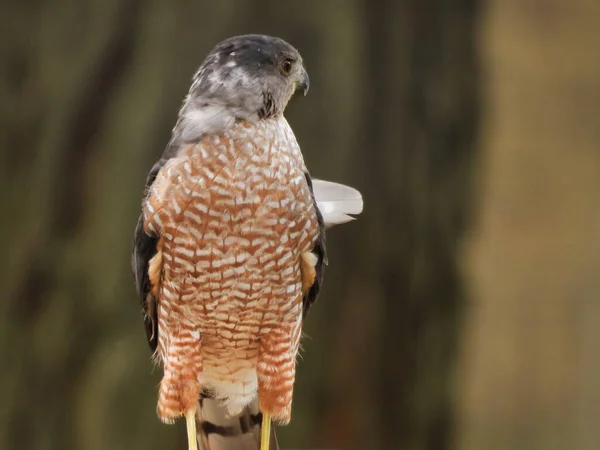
286	66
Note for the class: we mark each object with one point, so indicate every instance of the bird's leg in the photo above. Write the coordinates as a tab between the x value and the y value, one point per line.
179	390
265	432
190	421
275	370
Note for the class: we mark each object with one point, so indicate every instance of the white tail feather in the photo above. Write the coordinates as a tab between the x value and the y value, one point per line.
336	202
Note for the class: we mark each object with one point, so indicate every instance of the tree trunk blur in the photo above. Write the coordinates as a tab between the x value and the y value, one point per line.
530	369
422	145
90	91
399	322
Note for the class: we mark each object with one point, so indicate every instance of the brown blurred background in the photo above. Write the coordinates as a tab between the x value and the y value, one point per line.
462	309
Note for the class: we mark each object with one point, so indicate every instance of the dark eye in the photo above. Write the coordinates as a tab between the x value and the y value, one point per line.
286	66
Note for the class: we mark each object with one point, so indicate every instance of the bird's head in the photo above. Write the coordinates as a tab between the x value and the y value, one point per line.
254	76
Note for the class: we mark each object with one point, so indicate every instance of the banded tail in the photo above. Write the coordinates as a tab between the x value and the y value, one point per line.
216	431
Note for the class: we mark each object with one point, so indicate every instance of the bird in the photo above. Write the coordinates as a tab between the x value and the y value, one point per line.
229	248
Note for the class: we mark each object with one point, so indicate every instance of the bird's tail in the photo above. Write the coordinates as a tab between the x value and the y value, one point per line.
217	431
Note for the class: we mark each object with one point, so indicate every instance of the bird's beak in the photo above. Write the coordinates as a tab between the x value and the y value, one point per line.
303	82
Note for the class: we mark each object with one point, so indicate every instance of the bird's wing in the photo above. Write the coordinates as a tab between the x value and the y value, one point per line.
144	248
336	202
319	251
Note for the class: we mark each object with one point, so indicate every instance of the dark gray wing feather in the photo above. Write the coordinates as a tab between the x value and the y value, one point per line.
144	248
320	251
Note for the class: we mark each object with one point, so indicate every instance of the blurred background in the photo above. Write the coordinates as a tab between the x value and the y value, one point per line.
462	309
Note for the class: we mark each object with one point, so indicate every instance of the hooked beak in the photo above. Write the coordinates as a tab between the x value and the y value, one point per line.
303	82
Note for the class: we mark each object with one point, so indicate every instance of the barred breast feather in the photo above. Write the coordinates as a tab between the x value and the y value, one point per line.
234	214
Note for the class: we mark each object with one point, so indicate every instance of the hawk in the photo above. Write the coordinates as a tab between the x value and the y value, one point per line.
229	250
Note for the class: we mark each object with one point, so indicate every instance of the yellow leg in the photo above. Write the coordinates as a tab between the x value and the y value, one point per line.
265	433
190	421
